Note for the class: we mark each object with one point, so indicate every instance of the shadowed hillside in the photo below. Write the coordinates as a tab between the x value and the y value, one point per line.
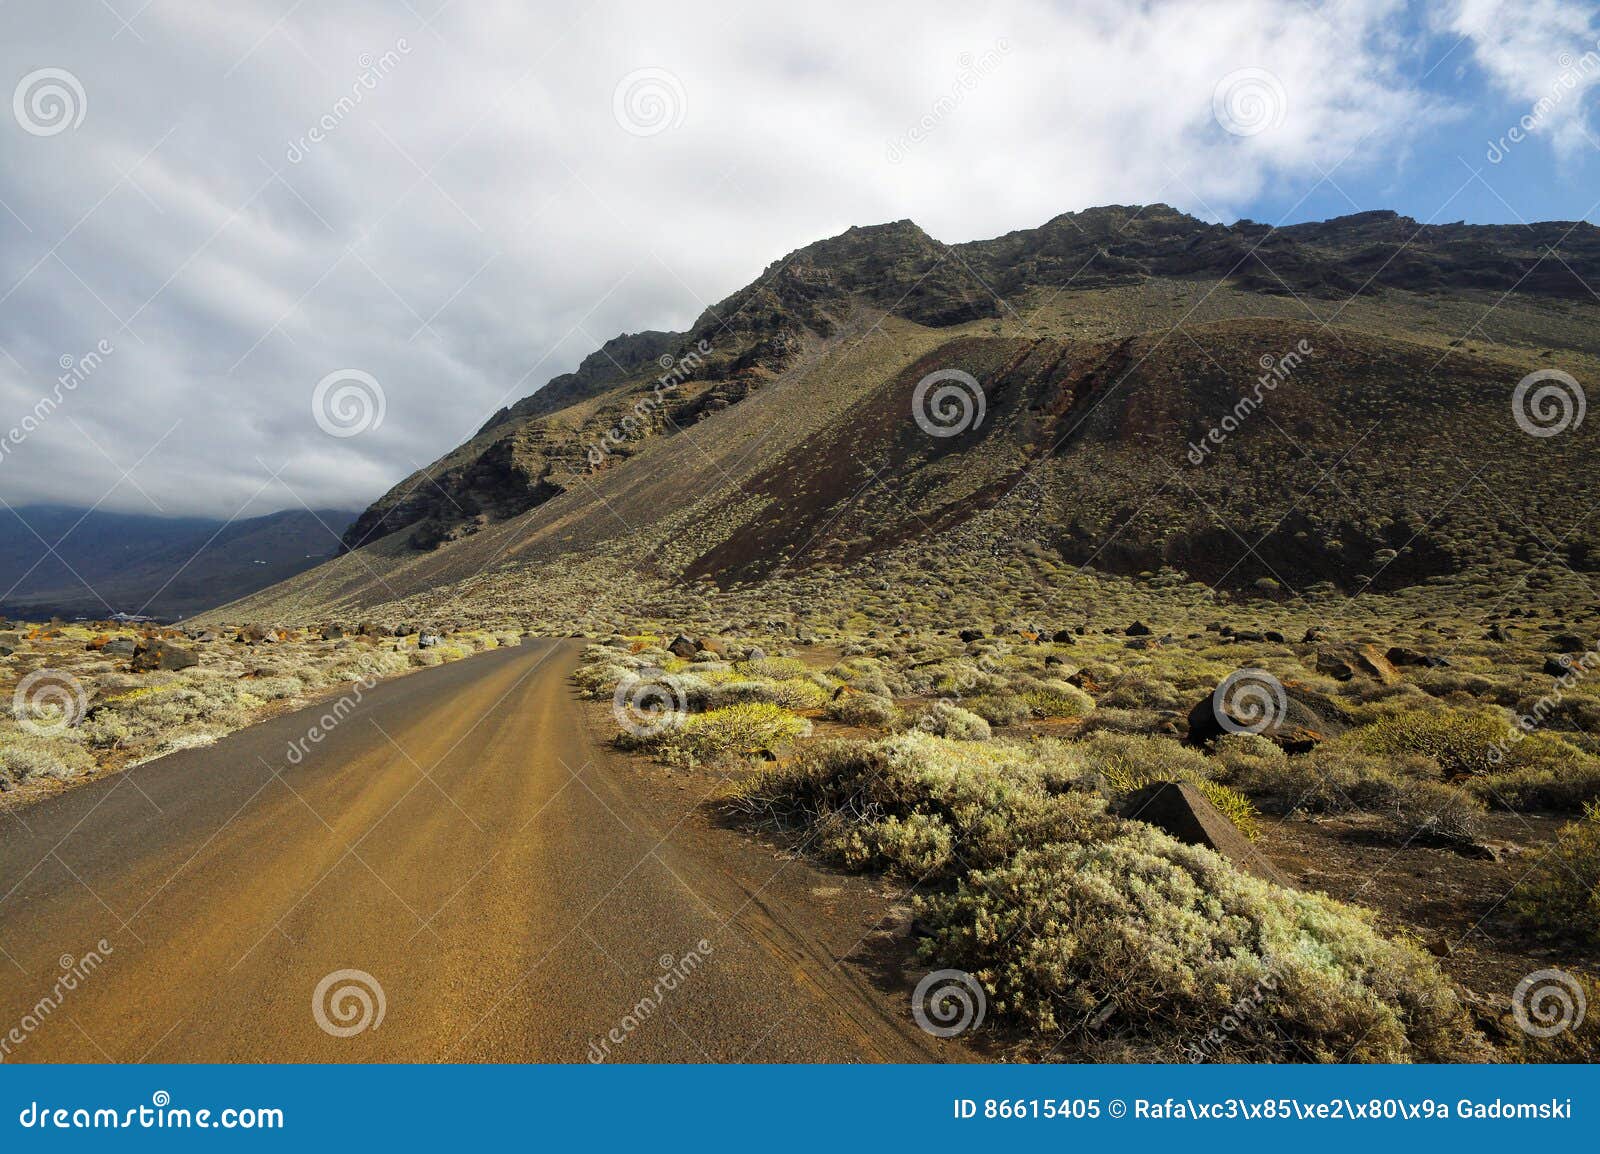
1364	366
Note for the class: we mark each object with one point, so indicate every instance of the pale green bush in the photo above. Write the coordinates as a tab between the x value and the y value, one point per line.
945	719
26	755
772	668
721	735
791	693
1057	699
1174	938
864	709
998	708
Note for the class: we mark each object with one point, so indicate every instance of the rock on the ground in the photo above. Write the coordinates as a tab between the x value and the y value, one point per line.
152	654
1181	810
1348	661
1404	655
1297	722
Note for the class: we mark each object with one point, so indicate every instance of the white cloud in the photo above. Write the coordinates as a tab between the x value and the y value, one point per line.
1542	53
479	221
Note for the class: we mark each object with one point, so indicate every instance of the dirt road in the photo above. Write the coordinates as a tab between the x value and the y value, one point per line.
464	841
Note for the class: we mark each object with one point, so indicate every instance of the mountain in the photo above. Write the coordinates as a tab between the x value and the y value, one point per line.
84	562
1325	408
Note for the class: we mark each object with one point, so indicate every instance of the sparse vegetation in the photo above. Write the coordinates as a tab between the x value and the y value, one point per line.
127	717
1043	904
718	736
1562	898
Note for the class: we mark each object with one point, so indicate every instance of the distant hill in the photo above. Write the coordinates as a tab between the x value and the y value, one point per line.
58	560
1099	378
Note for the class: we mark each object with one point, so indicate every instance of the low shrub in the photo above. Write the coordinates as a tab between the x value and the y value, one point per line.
1174	939
1560	898
1061	910
28	755
1057	699
916	803
945	719
1128	721
864	709
722	735
1339	777
1133	692
999	708
1463	742
792	693
773	668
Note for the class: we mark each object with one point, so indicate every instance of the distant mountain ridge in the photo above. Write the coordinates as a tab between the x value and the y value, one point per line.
528	453
787	444
58	560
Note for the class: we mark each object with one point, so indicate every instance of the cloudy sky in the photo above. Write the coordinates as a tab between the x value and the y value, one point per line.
231	204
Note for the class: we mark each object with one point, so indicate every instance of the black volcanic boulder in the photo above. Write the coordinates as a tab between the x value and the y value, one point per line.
970	635
1557	666
1404	655
1181	810
154	653
1297	721
683	647
1138	629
